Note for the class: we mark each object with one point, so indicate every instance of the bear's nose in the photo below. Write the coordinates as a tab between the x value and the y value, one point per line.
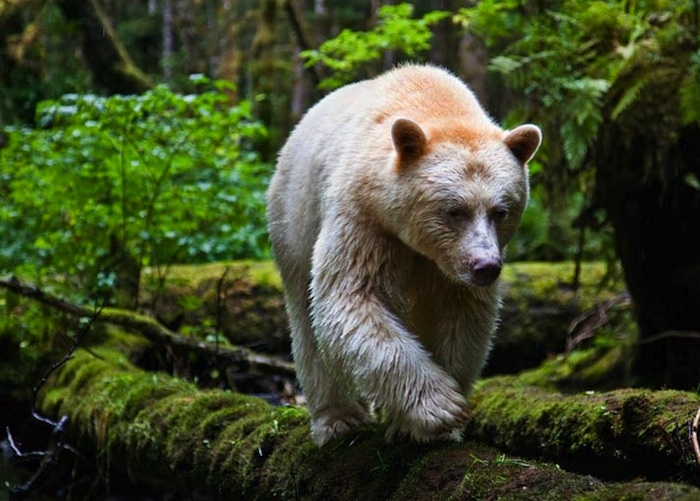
486	270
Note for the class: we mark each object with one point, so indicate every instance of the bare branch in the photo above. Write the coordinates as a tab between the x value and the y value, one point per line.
584	326
694	437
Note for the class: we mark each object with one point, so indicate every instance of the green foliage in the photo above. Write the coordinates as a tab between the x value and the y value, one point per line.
147	180
350	51
580	63
532	233
494	20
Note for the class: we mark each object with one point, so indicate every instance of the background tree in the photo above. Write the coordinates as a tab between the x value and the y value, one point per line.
617	88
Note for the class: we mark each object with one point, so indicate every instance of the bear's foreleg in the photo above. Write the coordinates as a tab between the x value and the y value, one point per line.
463	326
362	341
333	408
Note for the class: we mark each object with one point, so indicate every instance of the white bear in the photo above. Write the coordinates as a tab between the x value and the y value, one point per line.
389	211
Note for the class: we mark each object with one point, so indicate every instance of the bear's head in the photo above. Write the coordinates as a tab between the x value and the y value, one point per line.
458	193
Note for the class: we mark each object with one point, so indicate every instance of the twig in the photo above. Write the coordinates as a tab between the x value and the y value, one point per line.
220	298
591	320
668	334
694	437
156	332
50	456
75	342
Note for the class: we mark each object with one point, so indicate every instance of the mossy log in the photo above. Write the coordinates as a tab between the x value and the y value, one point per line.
243	300
165	433
623	433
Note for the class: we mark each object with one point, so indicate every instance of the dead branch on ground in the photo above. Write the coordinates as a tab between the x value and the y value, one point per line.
242	358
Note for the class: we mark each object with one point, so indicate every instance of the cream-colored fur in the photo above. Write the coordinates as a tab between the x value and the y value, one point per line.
391	205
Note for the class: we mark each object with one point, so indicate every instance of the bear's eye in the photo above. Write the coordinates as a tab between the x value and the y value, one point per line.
457	213
499	213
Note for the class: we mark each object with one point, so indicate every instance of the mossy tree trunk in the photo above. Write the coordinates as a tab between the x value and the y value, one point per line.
623	433
111	66
648	181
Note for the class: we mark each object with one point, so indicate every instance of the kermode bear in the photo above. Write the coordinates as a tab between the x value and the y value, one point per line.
388	213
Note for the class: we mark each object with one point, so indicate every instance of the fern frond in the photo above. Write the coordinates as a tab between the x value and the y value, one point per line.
630	95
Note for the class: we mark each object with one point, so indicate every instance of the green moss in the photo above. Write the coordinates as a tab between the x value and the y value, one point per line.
262	273
614	433
591	369
638	491
554	280
165	432
241	299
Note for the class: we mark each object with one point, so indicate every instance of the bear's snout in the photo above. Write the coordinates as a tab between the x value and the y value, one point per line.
485	270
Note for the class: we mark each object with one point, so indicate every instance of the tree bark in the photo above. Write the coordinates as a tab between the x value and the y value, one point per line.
168	41
264	75
302	34
111	66
647	180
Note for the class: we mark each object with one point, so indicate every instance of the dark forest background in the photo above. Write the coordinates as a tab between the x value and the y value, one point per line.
139	134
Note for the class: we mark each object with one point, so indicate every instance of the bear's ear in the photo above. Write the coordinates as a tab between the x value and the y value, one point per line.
523	142
409	140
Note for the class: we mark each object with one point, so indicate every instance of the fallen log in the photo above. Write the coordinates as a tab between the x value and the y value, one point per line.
165	433
243	358
623	433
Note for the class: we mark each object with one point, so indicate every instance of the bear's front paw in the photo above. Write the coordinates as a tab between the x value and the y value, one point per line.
437	415
330	424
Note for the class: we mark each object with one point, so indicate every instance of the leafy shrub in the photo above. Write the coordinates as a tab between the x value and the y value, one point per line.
351	51
145	180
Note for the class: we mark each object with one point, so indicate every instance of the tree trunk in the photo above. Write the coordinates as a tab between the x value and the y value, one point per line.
648	185
263	73
112	68
445	37
168	41
230	57
618	434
